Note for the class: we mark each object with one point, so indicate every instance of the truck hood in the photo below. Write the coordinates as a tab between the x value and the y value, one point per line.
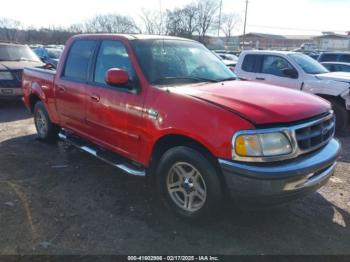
258	103
18	65
335	76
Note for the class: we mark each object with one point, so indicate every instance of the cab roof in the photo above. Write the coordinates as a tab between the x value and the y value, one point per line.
133	37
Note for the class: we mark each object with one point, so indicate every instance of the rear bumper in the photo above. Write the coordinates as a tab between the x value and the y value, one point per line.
274	183
10	91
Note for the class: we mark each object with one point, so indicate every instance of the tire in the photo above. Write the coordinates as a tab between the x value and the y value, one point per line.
188	184
341	114
46	130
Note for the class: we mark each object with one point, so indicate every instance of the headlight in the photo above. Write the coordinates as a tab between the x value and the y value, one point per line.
6	75
261	145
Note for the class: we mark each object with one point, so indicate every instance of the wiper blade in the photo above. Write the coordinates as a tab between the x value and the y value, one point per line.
197	79
228	79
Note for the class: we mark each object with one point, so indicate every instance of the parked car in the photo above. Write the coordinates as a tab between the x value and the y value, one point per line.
168	108
334	57
229	63
300	72
13	58
337	66
49	55
228	57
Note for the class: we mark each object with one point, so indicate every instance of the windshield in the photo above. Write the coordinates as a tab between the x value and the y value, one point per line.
54	53
308	64
17	53
175	61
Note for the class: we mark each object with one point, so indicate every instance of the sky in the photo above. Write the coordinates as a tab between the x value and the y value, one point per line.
289	17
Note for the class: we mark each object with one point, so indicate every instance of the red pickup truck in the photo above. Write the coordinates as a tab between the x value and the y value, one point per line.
168	108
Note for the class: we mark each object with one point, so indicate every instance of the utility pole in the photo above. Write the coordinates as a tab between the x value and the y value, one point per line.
161	17
219	18
245	22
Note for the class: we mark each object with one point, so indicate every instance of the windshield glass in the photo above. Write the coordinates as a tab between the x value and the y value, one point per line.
17	53
308	64
54	53
176	61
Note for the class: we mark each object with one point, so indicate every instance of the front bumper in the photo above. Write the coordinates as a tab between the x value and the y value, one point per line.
274	183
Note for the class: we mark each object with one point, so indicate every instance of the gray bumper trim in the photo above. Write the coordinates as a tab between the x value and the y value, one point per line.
279	181
303	165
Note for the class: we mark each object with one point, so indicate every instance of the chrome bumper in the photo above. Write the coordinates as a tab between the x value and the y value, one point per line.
286	179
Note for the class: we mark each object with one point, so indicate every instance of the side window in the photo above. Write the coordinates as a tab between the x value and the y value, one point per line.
78	59
344	68
273	65
345	58
112	54
249	63
328	57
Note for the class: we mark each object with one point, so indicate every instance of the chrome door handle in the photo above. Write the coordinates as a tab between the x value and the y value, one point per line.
260	78
61	89
95	98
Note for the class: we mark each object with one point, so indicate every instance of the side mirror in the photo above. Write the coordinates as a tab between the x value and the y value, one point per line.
117	77
292	73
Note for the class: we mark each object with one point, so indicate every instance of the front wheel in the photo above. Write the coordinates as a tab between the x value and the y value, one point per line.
46	130
189	183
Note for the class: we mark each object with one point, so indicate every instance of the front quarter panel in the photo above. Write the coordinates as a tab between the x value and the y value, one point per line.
178	114
325	87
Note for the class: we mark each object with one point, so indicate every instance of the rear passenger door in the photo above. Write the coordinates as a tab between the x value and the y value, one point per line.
114	113
70	86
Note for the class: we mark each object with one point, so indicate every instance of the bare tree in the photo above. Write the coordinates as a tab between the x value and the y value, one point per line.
229	23
9	29
207	10
153	22
111	24
182	21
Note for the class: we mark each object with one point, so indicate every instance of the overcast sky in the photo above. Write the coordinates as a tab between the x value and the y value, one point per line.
307	17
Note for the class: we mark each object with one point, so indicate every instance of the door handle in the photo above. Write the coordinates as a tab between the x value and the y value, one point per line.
95	98
61	89
260	78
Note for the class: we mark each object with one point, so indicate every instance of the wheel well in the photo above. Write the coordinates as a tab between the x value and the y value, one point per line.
33	99
169	141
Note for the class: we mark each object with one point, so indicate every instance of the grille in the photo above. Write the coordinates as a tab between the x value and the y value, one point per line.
315	135
17	74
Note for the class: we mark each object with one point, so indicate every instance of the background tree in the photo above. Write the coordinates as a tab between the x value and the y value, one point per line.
153	22
229	23
182	21
207	15
9	29
111	23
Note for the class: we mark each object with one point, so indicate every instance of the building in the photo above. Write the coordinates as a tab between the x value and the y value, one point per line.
270	41
333	42
328	41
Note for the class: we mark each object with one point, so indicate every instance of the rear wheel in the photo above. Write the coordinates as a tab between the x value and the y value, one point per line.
188	183
341	114
46	130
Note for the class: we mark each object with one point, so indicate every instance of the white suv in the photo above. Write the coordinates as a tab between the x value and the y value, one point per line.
298	71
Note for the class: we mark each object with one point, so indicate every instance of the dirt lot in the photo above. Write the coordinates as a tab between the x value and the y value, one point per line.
58	201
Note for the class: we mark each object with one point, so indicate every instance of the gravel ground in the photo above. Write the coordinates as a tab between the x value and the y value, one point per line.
59	201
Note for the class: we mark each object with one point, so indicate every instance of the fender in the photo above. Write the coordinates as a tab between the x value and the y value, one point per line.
326	87
38	91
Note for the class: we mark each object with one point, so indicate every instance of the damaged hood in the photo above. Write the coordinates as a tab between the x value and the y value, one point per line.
259	103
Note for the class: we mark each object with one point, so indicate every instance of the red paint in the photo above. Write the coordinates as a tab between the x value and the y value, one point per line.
116	76
207	113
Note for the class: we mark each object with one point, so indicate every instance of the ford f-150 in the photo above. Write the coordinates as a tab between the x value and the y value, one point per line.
169	109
